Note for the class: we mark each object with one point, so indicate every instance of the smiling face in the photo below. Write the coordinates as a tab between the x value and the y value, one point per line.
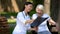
39	9
28	7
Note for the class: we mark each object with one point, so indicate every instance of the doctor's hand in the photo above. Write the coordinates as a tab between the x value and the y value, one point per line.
29	21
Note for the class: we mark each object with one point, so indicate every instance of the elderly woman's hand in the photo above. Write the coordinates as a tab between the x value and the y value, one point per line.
52	22
35	29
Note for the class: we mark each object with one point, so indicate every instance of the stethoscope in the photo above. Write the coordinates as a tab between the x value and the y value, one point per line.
24	15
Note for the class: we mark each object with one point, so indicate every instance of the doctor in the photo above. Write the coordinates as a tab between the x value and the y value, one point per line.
23	20
42	28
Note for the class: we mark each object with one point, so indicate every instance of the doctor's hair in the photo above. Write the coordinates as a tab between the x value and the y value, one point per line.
26	3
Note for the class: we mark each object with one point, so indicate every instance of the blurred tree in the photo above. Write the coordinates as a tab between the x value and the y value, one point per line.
11	5
0	6
47	6
54	9
4	4
15	6
59	16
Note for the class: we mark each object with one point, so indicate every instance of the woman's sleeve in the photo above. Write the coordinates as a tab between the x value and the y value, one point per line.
46	15
20	17
34	16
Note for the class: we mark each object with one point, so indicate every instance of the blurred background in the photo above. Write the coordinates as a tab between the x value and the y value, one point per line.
10	8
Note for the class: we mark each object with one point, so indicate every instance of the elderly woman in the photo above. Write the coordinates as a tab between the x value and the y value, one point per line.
42	28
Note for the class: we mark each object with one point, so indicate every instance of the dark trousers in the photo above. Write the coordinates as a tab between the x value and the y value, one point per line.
33	32
54	32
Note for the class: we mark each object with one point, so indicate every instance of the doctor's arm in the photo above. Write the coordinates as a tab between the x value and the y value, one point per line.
22	19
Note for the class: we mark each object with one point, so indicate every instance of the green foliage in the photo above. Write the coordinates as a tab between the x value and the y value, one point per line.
32	12
11	29
8	14
11	21
36	2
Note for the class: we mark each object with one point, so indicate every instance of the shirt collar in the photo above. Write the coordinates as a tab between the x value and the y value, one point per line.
25	14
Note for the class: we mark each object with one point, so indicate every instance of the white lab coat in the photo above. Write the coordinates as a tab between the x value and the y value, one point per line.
21	27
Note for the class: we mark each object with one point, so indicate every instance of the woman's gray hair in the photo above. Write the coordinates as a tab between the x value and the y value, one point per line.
40	6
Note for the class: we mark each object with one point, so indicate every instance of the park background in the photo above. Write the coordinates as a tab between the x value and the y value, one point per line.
10	8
